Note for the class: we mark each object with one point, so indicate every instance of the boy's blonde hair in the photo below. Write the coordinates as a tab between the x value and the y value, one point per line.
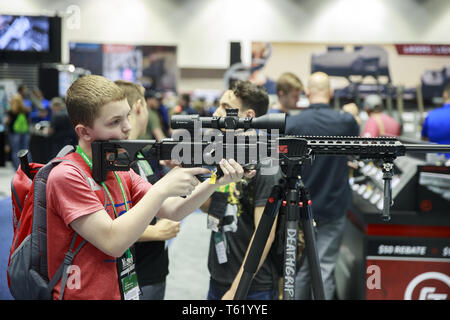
133	91
87	95
289	81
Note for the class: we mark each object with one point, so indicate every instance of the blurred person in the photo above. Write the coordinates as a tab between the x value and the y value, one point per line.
38	100
17	120
379	123
152	258
200	106
326	180
353	109
61	131
213	107
436	127
289	88
184	105
242	203
154	100
154	130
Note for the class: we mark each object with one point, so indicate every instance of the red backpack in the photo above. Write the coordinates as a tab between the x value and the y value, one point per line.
27	265
20	188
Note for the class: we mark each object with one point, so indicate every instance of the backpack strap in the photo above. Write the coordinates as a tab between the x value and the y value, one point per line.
39	259
16	197
65	151
62	272
39	227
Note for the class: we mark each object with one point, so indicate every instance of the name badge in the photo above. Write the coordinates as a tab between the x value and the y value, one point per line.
127	276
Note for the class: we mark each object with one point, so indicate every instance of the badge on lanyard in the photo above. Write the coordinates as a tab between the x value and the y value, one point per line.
127	276
220	243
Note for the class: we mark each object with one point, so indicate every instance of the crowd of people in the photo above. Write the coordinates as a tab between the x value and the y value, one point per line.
144	205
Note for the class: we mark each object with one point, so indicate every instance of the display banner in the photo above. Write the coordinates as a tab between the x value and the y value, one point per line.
412	269
423	49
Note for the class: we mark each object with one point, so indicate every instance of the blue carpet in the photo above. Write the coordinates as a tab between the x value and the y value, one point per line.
6	235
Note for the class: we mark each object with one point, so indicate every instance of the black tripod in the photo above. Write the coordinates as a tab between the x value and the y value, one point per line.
290	192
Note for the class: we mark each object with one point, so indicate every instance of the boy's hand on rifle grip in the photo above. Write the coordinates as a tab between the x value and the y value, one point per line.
180	181
232	172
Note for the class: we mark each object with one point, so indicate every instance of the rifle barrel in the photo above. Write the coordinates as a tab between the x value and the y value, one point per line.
427	148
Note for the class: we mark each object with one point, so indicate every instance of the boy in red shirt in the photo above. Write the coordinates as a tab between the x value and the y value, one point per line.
104	267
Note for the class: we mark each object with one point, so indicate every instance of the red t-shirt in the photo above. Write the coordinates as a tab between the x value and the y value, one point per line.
70	196
381	125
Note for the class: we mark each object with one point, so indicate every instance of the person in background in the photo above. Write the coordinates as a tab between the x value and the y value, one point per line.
326	180
40	107
17	120
154	130
436	127
200	106
152	258
154	126
61	131
38	100
154	101
243	204
289	88
213	107
379	123
184	106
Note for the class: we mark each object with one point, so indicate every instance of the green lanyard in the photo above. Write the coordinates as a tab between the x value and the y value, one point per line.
89	163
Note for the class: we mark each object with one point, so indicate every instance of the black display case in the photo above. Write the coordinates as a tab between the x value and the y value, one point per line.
407	257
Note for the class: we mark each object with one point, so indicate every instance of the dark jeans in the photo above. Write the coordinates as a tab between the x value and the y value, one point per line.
214	293
153	292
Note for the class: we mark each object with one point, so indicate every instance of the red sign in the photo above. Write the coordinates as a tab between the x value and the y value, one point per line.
423	49
407	279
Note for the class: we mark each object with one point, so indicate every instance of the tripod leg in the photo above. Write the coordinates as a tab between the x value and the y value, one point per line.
311	251
258	243
290	259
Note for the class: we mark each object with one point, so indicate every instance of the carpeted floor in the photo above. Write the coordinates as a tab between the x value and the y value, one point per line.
6	235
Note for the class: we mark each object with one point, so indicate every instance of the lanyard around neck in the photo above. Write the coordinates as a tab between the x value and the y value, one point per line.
89	163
